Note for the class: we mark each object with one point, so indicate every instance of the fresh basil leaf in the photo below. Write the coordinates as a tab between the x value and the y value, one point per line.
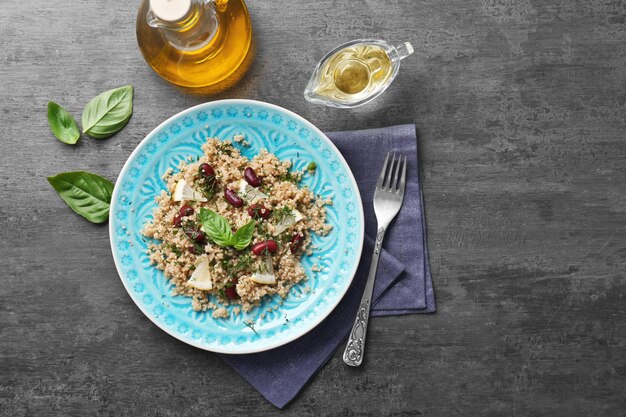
62	124
87	194
107	113
243	236
216	227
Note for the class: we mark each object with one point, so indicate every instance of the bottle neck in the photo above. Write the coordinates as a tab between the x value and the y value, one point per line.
176	18
194	30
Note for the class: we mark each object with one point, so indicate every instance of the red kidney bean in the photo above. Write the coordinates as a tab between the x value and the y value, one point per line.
195	234
265	246
296	242
178	220
186	210
231	291
206	170
233	198
251	178
257	211
192	250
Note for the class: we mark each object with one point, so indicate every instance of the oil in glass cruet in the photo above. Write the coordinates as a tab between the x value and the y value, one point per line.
196	43
355	73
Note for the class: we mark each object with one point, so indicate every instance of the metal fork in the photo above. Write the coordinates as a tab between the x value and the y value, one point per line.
387	202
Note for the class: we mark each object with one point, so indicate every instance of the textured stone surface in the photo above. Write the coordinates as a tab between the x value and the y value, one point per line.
521	110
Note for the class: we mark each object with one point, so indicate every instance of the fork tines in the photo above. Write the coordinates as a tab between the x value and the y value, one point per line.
393	175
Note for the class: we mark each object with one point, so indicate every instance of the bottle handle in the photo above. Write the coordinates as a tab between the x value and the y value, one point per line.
220	5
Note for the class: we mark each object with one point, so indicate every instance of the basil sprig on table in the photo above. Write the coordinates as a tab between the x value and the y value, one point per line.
108	112
62	124
105	115
218	229
87	194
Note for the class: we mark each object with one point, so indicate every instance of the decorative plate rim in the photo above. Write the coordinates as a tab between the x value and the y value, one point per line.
310	325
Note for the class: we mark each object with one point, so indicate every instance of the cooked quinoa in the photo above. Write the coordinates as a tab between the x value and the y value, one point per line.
266	197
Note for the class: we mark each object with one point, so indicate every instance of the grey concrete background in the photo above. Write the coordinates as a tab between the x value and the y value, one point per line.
521	110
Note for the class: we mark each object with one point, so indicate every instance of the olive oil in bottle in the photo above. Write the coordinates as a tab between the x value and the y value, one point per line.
195	43
355	73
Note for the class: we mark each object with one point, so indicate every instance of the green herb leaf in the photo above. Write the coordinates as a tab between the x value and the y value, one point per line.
87	194
250	325
281	213
173	248
62	124
107	113
209	187
225	148
243	236
216	227
243	262
311	167
290	177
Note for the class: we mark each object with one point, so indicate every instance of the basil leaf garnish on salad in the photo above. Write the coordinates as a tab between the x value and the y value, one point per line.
220	232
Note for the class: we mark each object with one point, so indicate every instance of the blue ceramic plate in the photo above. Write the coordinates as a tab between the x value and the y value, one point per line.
283	133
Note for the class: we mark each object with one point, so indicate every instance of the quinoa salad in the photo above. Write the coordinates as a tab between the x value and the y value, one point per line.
234	228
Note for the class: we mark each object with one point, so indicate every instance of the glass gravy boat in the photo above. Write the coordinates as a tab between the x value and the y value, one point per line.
355	72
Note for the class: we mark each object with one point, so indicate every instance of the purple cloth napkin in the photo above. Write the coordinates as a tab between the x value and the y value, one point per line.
403	284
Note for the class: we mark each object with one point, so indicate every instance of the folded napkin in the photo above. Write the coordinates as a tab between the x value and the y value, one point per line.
403	284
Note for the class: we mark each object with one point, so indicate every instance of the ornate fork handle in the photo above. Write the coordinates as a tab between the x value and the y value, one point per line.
353	355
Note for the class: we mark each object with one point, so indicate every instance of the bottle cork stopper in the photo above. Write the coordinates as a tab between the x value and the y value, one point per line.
170	10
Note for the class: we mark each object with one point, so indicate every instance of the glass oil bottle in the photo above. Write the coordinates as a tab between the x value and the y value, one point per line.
355	73
195	43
